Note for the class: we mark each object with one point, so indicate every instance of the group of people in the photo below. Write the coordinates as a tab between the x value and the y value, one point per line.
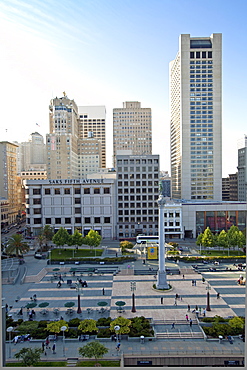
83	283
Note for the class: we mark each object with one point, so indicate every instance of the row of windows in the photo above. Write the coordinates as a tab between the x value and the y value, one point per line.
136	197
138	183
67	220
127	212
137	161
137	190
138	219
200	54
137	205
67	191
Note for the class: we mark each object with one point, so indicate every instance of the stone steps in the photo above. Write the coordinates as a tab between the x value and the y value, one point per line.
178	335
71	362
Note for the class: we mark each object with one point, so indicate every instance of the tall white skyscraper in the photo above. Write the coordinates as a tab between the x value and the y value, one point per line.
196	118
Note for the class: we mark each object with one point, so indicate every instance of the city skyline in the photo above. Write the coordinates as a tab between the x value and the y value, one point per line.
103	53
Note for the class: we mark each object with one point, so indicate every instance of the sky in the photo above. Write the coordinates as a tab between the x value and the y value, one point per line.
106	52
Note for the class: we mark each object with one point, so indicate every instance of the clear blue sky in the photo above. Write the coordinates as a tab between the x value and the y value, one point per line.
105	52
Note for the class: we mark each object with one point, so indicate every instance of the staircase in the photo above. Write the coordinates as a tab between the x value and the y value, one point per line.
179	335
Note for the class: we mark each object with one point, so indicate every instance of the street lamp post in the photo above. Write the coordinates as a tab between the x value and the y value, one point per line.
133	288
78	297
63	328
208	298
9	330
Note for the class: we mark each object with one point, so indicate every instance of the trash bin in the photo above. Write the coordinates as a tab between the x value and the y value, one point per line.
220	338
142	338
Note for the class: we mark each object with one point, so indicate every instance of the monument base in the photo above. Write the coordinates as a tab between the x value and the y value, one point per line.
161	281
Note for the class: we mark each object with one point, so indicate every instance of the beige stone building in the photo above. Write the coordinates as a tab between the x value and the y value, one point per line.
132	130
9	188
196	118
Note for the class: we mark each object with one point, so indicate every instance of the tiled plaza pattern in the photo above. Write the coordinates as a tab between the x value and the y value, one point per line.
147	301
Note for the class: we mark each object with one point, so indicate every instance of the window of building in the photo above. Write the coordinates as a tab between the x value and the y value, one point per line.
78	220
87	220
86	190
67	220
77	200
77	190
47	191
48	221
37	201
57	220
106	190
37	211
37	221
97	220
107	220
57	191
36	191
77	210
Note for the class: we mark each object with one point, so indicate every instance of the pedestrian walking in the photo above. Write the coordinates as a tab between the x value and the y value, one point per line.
173	325
204	312
118	346
54	348
188	307
103	291
175	303
161	300
183	276
43	346
181	298
190	322
176	297
196	308
218	295
187	317
192	282
200	310
47	342
195	282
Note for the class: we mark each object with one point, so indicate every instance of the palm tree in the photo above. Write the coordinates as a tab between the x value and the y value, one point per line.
17	245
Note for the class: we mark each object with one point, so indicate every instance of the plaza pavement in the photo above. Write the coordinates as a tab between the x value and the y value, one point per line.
147	303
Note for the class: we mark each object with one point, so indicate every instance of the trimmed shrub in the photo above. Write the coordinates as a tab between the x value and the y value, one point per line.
104	333
74	322
103	321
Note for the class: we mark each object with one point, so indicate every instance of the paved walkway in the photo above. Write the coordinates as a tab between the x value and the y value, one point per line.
147	302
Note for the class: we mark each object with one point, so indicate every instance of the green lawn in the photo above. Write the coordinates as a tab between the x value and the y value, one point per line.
60	253
40	364
221	253
103	363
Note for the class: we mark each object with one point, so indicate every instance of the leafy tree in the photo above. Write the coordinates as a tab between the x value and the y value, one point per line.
61	237
123	323
223	240
48	233
233	235
41	239
88	326
93	349
93	239
241	239
126	245
17	245
29	356
237	324
208	238
77	238
55	326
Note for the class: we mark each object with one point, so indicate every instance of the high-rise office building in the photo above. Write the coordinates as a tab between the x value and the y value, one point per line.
9	183
196	118
31	154
91	123
62	141
132	130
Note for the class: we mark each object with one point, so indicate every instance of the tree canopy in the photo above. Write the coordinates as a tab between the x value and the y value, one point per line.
93	349
17	245
30	356
88	326
123	323
55	326
61	237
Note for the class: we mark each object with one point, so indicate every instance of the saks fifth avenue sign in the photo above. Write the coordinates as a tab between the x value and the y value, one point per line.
76	181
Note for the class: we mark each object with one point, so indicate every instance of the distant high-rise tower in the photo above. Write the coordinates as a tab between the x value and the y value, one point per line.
9	186
196	118
132	130
31	154
91	124
62	141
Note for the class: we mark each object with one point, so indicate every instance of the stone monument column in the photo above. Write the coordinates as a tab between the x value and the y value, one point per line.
161	277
